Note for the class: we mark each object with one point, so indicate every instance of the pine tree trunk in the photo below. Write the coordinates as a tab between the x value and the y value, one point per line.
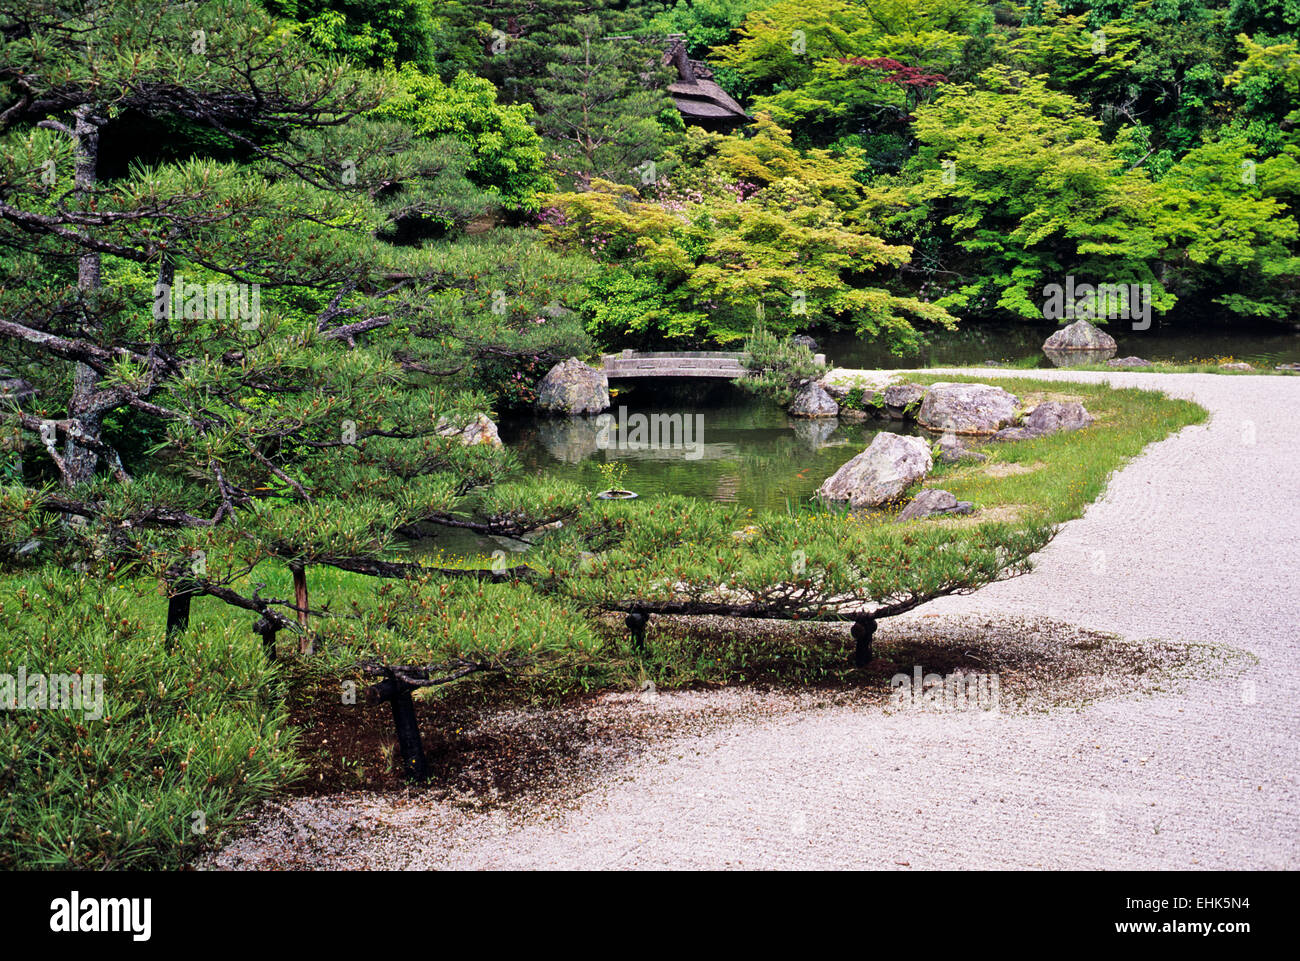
81	461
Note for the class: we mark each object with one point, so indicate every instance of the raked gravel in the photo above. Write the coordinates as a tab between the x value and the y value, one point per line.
1196	540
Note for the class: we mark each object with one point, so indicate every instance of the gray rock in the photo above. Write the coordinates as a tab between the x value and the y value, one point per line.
930	502
880	473
1051	416
968	408
1240	365
1128	362
572	387
898	397
1080	335
951	450
803	340
1288	366
813	401
1048	418
478	429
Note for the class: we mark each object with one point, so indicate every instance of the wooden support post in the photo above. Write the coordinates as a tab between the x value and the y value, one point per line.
636	623
864	628
398	693
178	611
300	601
264	627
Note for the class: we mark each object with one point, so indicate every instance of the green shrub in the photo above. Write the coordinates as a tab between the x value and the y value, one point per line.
188	738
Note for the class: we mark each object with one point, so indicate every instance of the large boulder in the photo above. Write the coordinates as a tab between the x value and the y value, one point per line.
477	429
968	408
1048	418
930	502
572	387
813	401
899	397
1080	335
880	473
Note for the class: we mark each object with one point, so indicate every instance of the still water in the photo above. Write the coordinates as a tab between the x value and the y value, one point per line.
723	444
728	445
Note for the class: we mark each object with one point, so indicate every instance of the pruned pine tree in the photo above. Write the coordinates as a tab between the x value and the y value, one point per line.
224	364
228	372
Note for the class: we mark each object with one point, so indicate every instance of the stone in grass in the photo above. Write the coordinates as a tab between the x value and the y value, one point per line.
968	408
478	429
928	503
1080	335
572	387
880	473
951	450
1239	365
813	401
1048	417
1128	362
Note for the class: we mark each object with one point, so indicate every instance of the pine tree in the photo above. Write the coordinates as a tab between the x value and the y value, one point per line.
600	102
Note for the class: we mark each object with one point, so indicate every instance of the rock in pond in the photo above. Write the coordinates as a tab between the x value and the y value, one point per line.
880	473
931	502
1080	335
813	401
968	408
572	387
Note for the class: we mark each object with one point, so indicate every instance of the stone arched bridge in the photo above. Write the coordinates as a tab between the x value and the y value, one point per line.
677	363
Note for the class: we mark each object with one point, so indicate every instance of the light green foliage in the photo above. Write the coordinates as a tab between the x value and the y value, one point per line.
1034	193
1232	218
755	231
508	160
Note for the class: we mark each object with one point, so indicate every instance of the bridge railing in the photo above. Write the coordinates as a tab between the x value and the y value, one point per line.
677	363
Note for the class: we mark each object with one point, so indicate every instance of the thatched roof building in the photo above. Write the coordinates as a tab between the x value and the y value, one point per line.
700	100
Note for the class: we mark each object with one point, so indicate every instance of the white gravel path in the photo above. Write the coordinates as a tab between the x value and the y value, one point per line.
1196	540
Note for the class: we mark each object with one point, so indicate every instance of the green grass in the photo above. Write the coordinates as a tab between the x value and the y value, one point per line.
194	735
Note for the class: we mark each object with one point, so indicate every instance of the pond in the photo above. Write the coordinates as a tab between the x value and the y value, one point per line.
712	440
698	438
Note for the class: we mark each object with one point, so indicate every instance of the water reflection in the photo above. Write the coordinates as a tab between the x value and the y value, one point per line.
737	449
